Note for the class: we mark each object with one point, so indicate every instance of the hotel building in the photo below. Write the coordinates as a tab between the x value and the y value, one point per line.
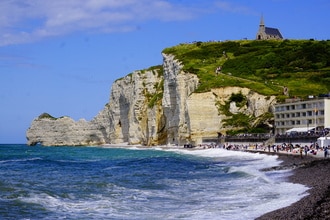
302	116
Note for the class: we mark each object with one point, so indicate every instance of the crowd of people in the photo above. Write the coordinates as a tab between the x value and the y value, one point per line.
299	149
318	133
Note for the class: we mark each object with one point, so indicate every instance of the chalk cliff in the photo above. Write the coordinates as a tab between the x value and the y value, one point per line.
150	107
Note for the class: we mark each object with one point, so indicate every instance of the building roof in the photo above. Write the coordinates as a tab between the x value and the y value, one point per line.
273	32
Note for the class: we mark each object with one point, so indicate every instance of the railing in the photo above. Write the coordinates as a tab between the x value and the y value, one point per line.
305	138
238	138
248	138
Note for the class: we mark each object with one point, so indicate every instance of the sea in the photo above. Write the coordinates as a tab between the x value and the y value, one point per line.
140	183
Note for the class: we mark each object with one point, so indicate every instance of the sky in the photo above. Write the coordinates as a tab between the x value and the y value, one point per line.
61	57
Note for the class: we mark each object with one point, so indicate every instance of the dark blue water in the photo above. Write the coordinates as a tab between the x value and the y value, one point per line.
114	183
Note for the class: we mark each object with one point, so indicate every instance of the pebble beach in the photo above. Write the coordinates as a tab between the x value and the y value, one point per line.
311	171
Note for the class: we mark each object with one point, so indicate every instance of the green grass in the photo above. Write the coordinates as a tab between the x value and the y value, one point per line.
266	67
46	115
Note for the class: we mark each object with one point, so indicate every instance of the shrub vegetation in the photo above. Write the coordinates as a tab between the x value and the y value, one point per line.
266	67
303	66
47	116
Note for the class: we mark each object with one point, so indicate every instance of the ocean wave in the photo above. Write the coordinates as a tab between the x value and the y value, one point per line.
20	160
99	183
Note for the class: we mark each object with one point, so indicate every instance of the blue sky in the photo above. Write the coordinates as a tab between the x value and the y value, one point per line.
61	57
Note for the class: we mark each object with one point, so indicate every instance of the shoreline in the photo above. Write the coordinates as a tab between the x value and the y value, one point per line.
312	171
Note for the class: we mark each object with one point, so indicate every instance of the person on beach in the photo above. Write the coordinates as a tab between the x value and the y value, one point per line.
306	150
325	152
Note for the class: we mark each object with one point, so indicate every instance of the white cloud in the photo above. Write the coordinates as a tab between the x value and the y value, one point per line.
32	20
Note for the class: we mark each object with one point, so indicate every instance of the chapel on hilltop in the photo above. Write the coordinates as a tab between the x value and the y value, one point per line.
267	33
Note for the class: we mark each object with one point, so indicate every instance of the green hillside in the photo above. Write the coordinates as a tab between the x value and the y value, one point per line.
267	67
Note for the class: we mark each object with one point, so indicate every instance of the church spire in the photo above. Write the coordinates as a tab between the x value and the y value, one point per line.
265	33
262	23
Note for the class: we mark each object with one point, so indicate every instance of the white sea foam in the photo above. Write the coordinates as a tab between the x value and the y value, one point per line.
257	159
127	203
20	160
241	191
270	187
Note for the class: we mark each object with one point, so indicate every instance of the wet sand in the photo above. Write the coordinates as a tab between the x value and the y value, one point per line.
310	171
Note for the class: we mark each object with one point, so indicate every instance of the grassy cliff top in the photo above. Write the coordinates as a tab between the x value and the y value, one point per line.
267	67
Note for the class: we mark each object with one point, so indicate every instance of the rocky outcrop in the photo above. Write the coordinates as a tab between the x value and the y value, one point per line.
48	131
133	115
135	109
205	117
150	107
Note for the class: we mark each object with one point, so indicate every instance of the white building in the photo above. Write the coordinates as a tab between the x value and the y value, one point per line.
302	116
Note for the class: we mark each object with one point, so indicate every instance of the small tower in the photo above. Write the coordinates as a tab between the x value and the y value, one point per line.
267	33
262	24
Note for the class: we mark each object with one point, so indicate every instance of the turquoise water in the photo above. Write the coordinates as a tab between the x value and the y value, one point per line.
114	183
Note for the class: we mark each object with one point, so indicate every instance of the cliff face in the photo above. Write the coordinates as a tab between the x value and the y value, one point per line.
150	107
135	111
65	131
128	117
178	86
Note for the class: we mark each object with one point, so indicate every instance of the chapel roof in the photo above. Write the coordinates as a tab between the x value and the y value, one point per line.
273	32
